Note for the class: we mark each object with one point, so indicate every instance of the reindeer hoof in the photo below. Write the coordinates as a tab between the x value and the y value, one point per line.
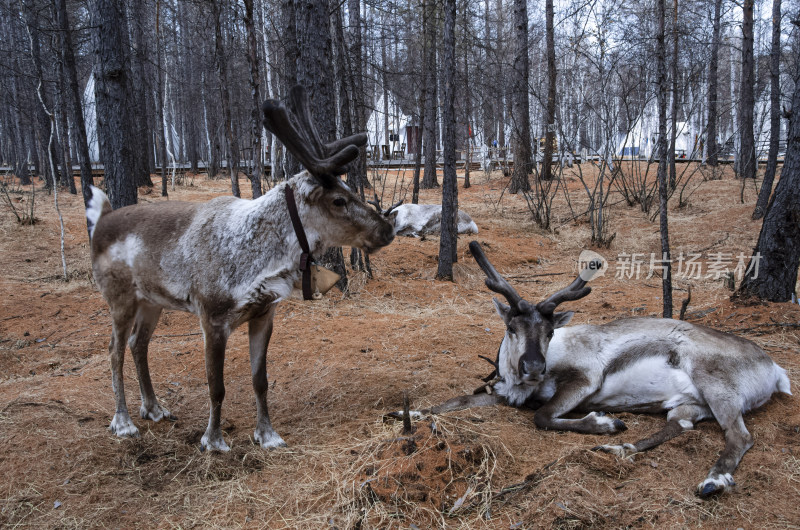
710	490
605	424
122	425
622	451
398	415
269	440
714	486
156	413
214	442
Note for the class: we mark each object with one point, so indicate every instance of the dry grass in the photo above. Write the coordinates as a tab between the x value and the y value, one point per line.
337	365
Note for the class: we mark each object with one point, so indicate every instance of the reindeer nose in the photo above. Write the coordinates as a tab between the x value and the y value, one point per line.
532	369
387	233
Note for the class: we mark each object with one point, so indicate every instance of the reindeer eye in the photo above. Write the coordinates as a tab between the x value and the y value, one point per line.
339	202
550	335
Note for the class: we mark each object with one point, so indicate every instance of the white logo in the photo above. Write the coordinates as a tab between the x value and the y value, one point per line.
592	265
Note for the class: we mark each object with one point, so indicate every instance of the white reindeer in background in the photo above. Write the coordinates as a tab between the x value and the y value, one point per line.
419	220
648	365
229	261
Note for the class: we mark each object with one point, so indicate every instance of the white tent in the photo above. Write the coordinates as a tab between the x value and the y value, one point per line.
642	138
90	119
376	135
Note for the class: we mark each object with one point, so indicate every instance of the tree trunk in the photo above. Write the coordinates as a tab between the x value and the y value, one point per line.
488	77
357	84
421	102
138	104
661	68
520	104
20	149
501	80
212	167
773	277
48	149
713	75
675	99
747	160
734	109
467	106
273	84
429	179
190	93
345	89
449	233
774	113
112	94
290	57
550	118
21	169
232	146
313	72
384	89
63	129
255	113
160	134
314	65
347	116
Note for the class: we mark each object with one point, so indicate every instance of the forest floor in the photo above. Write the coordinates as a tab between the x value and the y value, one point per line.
337	365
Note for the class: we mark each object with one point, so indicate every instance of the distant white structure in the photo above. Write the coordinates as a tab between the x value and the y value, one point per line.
90	119
641	140
399	126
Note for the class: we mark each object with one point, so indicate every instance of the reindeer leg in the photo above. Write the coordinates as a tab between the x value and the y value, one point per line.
679	419
467	401
216	338
122	317
260	331
143	327
737	442
571	393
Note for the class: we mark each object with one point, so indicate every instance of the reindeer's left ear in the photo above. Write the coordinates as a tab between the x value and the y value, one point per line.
503	310
562	319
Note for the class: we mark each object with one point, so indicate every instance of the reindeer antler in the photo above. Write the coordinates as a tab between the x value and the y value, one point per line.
577	289
392	207
377	204
574	291
296	130
494	281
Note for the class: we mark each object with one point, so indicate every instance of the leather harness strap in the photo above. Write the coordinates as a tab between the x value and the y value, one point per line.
496	363
305	257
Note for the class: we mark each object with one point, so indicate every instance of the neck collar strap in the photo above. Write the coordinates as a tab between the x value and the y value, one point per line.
305	257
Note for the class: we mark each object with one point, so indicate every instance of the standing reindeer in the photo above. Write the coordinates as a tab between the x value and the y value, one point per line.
229	261
649	365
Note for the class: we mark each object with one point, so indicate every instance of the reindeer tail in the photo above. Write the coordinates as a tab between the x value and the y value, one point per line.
98	205
783	381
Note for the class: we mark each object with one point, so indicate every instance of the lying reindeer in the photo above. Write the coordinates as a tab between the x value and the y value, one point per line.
418	220
634	365
229	261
